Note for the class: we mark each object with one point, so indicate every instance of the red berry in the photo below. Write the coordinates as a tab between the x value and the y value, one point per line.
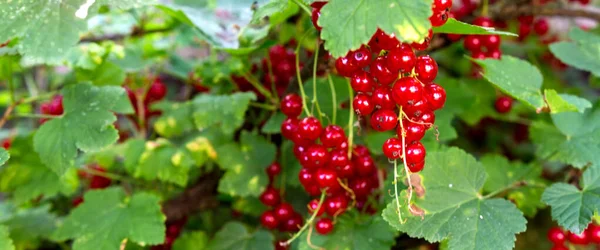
473	43
495	54
324	226
277	54
274	169
426	69
385	41
283	211
315	157
282	244
424	44
401	59
270	197
338	158
345	66
407	91
415	153
292	224
99	182
333	136
541	27
362	57
56	106
578	239
438	19
524	31
416	167
6	143
380	71
441	5
491	42
361	187
299	151
427	118
327	179
313	205
483	21
384	120
362	81
157	91
364	165
306	177
382	98
503	104
593	232
416	109
291	105
414	131
45	108
312	190
268	220
336	205
435	95
317	4
556	235
362	104
289	127
392	148
360	150
314	17
310	128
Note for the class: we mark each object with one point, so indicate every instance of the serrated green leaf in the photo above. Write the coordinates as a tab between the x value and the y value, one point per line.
454	26
104	74
245	165
581	52
353	232
87	124
225	111
116	217
454	208
235	236
573	140
573	208
159	160
176	119
6	242
197	240
269	9
325	98
290	165
515	77
202	147
374	141
565	103
29	226
273	125
349	24
4	156
250	206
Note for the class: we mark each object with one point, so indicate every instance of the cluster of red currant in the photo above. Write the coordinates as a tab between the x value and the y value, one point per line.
156	92
53	107
558	237
441	12
482	46
282	216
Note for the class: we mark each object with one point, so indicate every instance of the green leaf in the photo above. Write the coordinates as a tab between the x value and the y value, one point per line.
225	111
235	236
454	208
176	119
159	160
245	165
28	226
196	240
515	77
349	24
273	125
116	217
354	232
250	205
202	146
454	26
87	124
581	52
565	102
573	140
106	73
325	98
375	140
573	208
270	8
4	156
6	242
290	165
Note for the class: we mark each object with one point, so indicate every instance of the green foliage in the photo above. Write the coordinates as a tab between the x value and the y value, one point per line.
196	240
581	52
454	26
454	208
225	111
107	217
6	242
235	235
408	20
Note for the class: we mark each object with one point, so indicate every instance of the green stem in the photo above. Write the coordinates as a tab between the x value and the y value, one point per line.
263	106
38	97
484	9
303	6
315	102
257	85
304	99
103	174
35	116
350	120
396	191
333	97
309	221
410	187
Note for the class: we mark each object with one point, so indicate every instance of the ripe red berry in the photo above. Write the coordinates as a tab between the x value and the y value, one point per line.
427	118
578	239
99	182
361	187
483	21
268	220
338	158
364	165
362	57
435	95
312	190
313	205
495	54
424	44
282	244
56	105
384	120
289	127
438	19
473	43
382	98
270	197
541	27
327	179
416	167
401	59
416	109
336	205
426	69
441	5
362	81
283	211
385	41
503	104
556	235
291	105
392	148
292	224
415	153
314	17
559	247
310	128
306	177
360	150
315	157
363	105
414	131
593	232
407	90
491	42
380	71
6	143
274	169
345	66
324	226
333	136
157	91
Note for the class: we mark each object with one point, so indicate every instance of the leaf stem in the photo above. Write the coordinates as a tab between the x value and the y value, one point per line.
315	102
263	106
485	8
408	180
300	86
309	221
303	6
333	98
102	174
254	82
350	120
35	116
396	191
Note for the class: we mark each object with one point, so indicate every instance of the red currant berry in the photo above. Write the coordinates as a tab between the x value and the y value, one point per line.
380	72
327	179
364	165
338	158
298	139
435	95
473	43
416	167
314	17
382	98
274	169
283	211
312	190
416	109
324	226
413	131
310	128
157	91
292	224
495	54
56	105
360	151
315	157
491	42
313	205
401	59
593	232
524	31
483	22
385	41
363	105
578	239
427	118
268	220
392	148
441	5
277	54
345	66
361	187
336	205
6	143
556	235
282	244
407	91
299	151
541	27
384	120
503	104
424	44
289	127
318	4
362	81
438	19
559	247
426	69
270	197
333	136
291	105
362	57
306	177
415	153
